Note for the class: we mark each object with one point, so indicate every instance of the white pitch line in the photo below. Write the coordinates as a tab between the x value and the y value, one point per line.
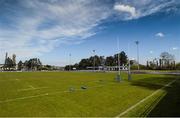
41	95
22	98
9	80
132	107
35	96
31	86
31	89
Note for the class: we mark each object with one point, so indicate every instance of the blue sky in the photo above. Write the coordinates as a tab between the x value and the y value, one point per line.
52	29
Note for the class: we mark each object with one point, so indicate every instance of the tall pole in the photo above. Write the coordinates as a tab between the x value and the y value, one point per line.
137	43
129	65
103	63
94	51
70	62
118	58
118	78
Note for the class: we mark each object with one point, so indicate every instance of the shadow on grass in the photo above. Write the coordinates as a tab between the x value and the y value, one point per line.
169	105
152	83
147	85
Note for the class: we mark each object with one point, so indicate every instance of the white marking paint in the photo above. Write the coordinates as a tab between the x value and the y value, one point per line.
22	98
132	107
6	80
31	89
29	97
41	95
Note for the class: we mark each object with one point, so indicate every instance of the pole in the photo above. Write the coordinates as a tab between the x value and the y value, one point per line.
94	60
103	63
129	65
118	78
70	62
118	60
137	43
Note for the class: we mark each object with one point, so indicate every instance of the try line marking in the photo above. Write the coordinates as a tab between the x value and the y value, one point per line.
132	107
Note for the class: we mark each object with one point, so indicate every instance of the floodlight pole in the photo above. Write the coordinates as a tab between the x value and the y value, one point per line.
94	51
137	43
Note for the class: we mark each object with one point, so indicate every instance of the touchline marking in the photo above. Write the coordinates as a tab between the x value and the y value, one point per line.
132	107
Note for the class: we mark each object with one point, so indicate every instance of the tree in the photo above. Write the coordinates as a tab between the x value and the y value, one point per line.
33	64
76	66
178	66
20	65
39	64
14	60
9	63
99	61
68	67
167	60
122	58
47	67
102	60
110	61
166	56
27	65
84	63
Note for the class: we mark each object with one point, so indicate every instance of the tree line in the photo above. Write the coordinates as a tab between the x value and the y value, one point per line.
99	61
31	64
166	61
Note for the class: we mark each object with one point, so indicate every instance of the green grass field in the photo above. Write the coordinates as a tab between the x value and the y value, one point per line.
60	94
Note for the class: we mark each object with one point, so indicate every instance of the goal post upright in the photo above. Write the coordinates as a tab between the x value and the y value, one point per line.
118	77
129	71
129	64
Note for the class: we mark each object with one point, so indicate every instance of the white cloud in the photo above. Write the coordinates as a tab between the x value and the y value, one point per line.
151	52
174	48
48	24
133	58
35	27
137	9
127	9
160	34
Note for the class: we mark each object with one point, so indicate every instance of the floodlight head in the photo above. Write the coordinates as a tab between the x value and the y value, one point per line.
137	42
